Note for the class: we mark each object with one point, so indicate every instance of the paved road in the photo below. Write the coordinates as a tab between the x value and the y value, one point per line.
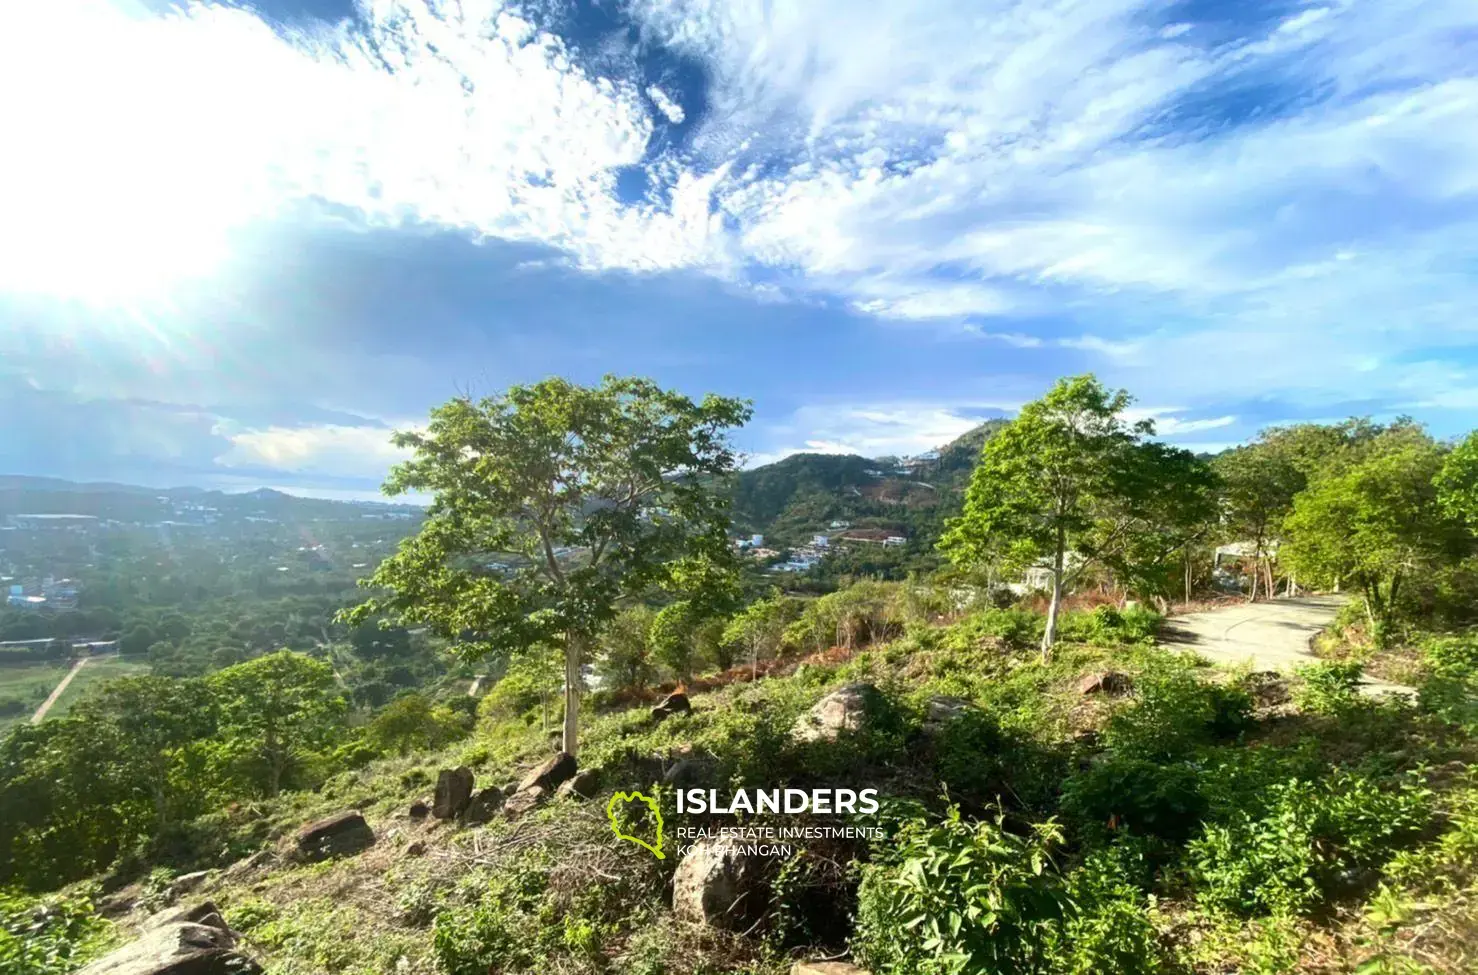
1272	635
46	704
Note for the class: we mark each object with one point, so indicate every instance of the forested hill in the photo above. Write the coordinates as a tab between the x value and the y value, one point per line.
804	493
21	495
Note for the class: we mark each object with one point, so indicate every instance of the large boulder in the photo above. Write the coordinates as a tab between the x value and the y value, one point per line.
826	968
340	835
187	941
719	885
550	773
675	703
483	804
844	709
453	792
582	785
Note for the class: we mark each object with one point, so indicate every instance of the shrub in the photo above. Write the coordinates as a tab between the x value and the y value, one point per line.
1313	840
1136	795
1108	928
1328	688
951	896
1449	686
1175	713
49	936
1110	626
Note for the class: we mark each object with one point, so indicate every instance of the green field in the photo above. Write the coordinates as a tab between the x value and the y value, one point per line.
93	674
23	687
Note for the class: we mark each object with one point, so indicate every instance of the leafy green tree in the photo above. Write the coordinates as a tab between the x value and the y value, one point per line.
1259	483
156	726
411	723
1065	486
1375	521
533	677
1457	482
275	712
580	498
760	628
626	648
673	638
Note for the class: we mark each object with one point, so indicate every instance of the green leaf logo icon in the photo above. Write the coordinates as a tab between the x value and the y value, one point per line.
613	814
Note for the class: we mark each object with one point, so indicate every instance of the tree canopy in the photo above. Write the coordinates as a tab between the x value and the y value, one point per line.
552	503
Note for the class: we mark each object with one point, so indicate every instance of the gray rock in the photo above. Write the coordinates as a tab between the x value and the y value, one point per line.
186	882
453	792
686	772
582	785
482	806
177	948
718	885
420	809
844	709
525	800
550	773
340	835
941	710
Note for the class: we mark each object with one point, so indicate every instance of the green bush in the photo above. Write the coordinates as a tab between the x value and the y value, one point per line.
1449	685
1312	841
951	896
48	936
1328	688
1135	795
1108	926
1175	713
1107	626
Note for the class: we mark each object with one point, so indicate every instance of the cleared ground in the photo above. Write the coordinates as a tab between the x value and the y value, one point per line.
23	687
1272	635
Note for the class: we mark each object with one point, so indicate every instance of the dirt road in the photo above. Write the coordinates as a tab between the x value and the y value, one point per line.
1271	635
60	688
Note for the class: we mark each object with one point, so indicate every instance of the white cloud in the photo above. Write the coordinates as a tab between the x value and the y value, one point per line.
344	451
667	105
871	430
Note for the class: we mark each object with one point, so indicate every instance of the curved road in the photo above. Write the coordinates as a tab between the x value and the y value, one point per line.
1274	635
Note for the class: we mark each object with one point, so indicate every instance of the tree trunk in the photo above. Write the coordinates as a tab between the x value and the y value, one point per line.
1049	635
574	656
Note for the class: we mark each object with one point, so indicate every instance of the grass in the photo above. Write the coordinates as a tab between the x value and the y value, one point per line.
23	687
96	672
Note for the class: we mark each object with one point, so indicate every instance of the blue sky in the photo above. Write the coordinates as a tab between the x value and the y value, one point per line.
243	242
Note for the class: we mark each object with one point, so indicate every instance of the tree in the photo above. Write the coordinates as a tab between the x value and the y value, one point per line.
760	628
1259	483
626	648
412	722
1457	483
1063	487
154	725
276	711
1374	520
552	504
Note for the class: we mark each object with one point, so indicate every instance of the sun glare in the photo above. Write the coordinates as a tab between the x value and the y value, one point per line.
119	181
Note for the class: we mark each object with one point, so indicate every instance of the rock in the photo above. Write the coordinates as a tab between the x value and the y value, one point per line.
686	772
483	804
675	703
415	848
248	864
186	882
177	948
550	773
719	885
1267	688
453	792
844	709
510	790
1107	682
420	809
204	912
524	800
582	785
941	710
826	968
338	835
